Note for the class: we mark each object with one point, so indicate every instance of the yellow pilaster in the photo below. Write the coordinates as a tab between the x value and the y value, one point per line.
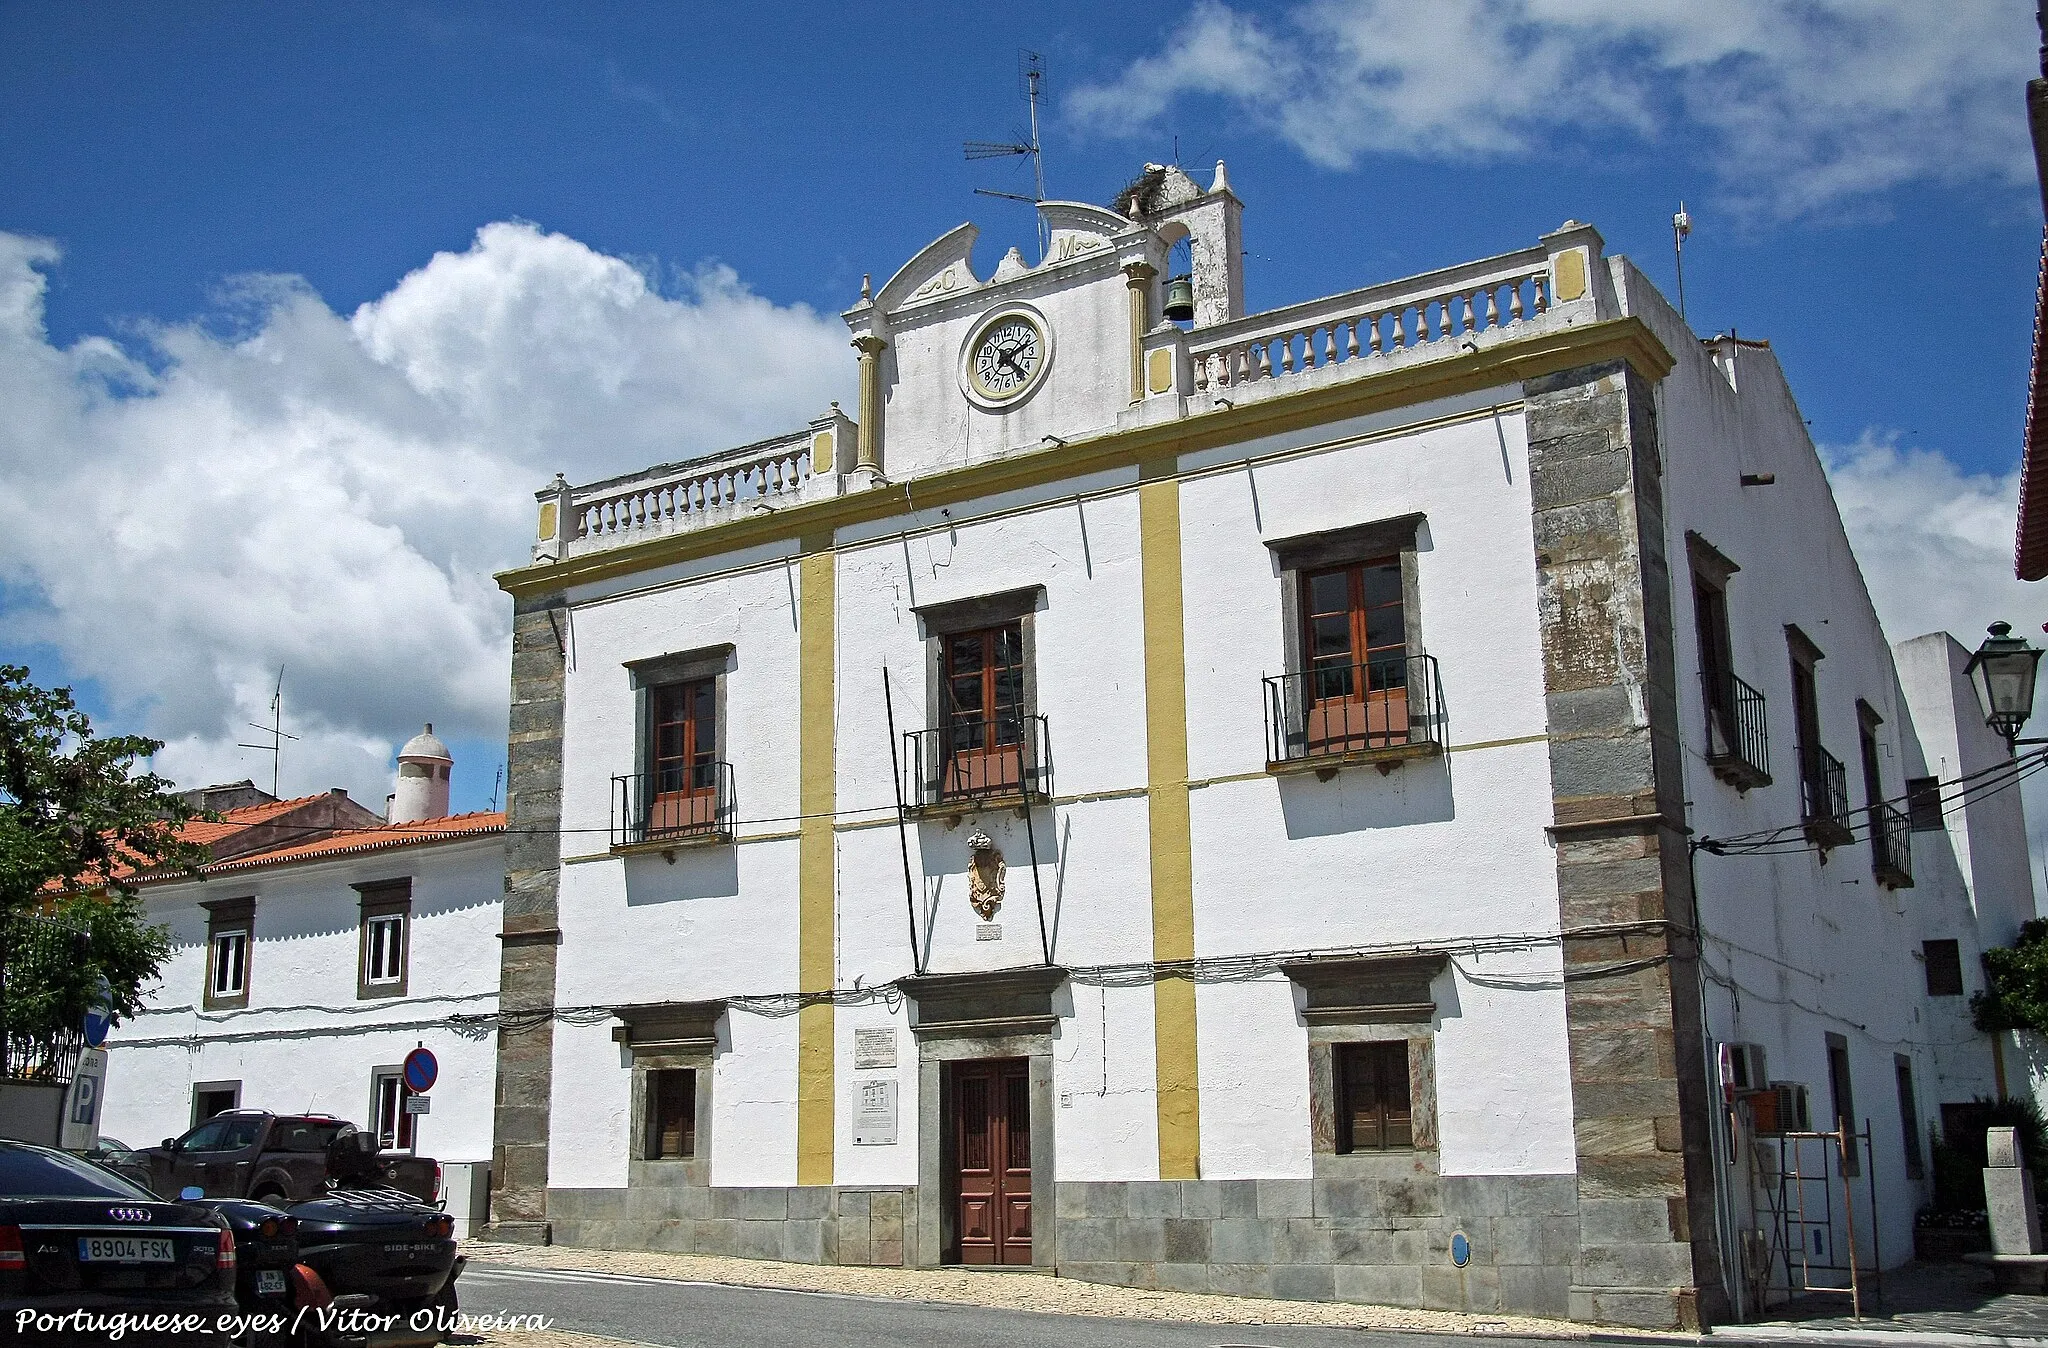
1166	774
816	871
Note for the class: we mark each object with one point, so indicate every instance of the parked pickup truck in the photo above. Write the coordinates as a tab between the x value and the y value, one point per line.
282	1159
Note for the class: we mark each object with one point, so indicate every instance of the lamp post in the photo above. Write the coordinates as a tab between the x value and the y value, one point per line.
2002	671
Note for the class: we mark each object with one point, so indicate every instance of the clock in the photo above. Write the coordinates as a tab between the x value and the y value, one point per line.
1005	357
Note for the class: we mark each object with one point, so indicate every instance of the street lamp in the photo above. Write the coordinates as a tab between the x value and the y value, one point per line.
2002	671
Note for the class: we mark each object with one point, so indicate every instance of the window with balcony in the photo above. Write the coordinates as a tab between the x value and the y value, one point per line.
1823	782
230	924
383	938
681	789
984	738
1358	685
1738	746
1891	835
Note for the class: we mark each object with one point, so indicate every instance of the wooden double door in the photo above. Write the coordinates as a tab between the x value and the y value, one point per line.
989	1107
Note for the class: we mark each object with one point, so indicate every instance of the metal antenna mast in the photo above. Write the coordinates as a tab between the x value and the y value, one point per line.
1031	74
275	730
1681	225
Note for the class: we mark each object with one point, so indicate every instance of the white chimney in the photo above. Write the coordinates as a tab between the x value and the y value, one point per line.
423	766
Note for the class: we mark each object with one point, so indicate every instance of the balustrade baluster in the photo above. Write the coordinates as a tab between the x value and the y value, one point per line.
1515	302
1469	302
1541	284
1492	307
1351	339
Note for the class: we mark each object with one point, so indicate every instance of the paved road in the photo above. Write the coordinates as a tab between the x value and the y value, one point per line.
686	1314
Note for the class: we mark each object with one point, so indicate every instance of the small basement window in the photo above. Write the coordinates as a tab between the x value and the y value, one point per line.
671	1113
1373	1108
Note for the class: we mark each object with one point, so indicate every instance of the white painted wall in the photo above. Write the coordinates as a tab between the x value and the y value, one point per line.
1799	947
305	1043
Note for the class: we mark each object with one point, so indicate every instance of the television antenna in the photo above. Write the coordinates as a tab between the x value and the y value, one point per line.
1681	225
275	730
1031	79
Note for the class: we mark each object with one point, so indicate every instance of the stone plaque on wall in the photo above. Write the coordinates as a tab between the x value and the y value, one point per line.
874	1113
874	1046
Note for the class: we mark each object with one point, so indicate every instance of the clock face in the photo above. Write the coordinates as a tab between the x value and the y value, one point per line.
1006	358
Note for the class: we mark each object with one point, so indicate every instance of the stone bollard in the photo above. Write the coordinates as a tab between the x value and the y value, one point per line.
2009	1195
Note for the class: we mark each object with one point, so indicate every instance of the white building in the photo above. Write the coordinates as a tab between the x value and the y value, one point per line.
1242	776
321	944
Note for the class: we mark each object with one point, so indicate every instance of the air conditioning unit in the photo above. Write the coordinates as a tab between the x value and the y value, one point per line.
1742	1068
1779	1108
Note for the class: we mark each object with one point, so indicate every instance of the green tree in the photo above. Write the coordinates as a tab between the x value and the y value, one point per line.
79	824
2016	983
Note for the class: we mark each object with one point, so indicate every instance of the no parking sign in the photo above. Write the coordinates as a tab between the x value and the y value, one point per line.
422	1070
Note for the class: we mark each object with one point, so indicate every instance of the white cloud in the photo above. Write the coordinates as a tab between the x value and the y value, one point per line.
1805	106
181	516
1935	544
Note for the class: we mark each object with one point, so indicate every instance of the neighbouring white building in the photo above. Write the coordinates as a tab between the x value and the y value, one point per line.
322	943
1292	803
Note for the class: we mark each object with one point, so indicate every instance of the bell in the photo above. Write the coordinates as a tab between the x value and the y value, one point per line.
1180	298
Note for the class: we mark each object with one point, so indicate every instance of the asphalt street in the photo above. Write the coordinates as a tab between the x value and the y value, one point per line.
677	1314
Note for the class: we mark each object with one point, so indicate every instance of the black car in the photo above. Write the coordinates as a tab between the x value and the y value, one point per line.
383	1254
82	1249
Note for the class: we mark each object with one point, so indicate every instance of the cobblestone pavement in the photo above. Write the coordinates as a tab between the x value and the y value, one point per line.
1003	1290
1925	1299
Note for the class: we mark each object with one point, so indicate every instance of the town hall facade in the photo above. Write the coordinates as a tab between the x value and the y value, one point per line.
1215	801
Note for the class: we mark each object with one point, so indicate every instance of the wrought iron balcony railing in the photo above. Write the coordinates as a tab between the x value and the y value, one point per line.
1824	797
676	805
970	760
1891	846
1738	741
1382	710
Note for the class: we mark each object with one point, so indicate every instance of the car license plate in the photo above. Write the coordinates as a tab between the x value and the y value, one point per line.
269	1280
126	1250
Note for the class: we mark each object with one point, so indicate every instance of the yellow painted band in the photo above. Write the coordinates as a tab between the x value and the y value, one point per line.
816	847
1171	841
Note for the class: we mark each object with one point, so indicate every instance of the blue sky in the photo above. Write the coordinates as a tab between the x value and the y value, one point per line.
286	403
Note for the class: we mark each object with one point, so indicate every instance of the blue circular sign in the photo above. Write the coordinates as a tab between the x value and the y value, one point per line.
421	1070
99	1017
1461	1249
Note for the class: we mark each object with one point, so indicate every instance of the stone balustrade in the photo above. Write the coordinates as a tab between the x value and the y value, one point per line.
694	493
1441	309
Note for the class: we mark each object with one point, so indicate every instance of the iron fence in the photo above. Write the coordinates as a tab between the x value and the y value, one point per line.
978	759
677	804
1333	710
1891	845
1824	797
43	996
1738	740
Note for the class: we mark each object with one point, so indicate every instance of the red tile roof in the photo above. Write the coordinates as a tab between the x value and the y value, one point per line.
2030	547
234	821
348	842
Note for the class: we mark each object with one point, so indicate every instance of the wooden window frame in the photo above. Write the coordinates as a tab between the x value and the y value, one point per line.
229	917
379	901
404	1134
202	1088
1909	1115
1950	961
649	680
662	1037
939	624
1298	559
651	1090
1842	1100
1924	805
1350	1064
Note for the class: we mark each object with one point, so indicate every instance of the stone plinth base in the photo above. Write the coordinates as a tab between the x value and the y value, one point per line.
2016	1272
